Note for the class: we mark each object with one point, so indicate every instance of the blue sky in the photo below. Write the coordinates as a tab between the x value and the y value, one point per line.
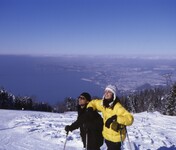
99	27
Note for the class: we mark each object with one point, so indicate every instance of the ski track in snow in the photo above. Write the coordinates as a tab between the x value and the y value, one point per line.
27	130
152	131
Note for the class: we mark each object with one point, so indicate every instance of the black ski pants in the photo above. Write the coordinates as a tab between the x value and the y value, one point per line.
93	148
113	146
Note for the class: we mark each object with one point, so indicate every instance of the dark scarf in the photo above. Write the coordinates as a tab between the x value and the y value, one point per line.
106	102
110	103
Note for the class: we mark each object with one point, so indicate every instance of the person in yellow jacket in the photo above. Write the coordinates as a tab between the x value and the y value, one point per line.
115	117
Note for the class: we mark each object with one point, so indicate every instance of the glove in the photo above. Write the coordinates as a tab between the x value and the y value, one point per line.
110	120
89	110
67	128
117	127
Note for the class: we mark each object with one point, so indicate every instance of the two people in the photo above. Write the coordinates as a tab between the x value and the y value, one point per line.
115	117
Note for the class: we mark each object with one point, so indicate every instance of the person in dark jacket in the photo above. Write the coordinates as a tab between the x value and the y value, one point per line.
90	124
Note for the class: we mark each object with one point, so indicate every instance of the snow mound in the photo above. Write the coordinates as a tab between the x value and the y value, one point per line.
26	130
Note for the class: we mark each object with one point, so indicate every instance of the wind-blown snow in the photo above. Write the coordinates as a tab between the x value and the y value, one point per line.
28	130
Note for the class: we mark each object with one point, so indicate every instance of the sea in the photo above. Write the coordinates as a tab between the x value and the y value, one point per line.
52	79
45	79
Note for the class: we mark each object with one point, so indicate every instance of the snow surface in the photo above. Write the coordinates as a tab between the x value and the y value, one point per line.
29	130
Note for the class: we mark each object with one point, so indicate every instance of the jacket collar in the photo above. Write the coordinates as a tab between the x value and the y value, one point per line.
112	104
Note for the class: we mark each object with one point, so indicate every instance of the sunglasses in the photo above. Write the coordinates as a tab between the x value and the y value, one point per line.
81	97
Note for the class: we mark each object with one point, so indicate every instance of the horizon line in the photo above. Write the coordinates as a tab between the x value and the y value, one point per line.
132	56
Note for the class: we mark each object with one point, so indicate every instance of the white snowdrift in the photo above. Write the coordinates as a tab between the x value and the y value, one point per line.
28	130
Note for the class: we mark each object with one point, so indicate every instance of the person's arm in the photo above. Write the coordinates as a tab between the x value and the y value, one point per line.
95	104
73	126
121	116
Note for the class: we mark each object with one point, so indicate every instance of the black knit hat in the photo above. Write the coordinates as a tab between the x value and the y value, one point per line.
86	95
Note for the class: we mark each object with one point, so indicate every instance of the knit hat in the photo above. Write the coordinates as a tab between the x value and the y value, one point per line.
111	88
86	95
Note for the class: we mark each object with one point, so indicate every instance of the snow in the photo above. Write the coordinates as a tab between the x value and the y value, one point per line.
30	130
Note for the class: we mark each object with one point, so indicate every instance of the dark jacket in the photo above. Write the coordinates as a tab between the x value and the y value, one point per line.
92	124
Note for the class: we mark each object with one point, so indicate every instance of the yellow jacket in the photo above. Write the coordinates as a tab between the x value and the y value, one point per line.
123	118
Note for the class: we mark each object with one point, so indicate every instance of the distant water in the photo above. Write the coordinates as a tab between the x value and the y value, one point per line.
43	79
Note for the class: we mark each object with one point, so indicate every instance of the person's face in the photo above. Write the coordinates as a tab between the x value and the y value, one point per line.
82	100
108	94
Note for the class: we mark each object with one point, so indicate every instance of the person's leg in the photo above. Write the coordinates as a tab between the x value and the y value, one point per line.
95	148
112	145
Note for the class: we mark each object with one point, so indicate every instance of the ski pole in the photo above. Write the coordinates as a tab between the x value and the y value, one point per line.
121	139
65	140
86	141
128	139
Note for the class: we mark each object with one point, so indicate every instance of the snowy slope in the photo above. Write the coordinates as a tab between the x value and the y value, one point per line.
27	130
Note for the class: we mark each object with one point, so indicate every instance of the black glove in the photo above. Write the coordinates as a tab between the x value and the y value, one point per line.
110	120
67	128
89	110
